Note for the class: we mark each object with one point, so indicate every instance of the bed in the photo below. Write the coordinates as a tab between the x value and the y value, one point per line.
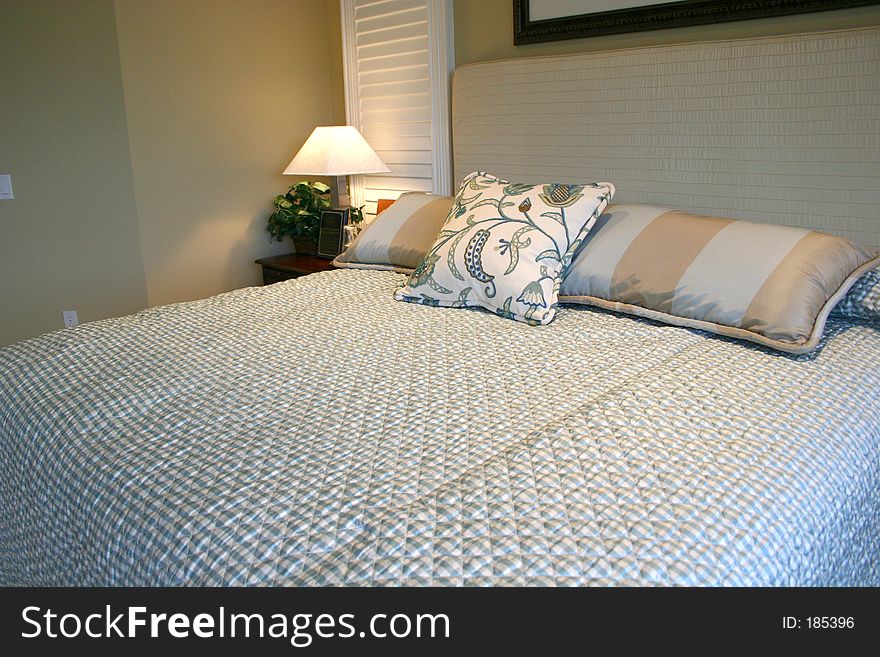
320	432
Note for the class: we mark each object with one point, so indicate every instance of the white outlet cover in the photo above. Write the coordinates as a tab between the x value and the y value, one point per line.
70	318
6	186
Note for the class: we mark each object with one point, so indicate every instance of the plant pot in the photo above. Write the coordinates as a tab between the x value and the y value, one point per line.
305	245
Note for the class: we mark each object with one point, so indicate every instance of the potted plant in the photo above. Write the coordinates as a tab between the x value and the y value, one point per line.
355	219
297	215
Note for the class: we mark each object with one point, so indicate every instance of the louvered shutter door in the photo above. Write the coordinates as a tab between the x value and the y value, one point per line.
398	60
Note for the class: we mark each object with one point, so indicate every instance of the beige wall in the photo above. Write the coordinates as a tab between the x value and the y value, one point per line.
484	31
219	95
69	239
146	139
337	74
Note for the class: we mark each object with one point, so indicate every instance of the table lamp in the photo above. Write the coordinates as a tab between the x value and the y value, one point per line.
338	151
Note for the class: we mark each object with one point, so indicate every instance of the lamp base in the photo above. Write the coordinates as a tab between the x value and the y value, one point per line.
339	193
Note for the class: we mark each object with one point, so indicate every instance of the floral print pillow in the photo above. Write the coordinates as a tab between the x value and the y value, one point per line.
505	246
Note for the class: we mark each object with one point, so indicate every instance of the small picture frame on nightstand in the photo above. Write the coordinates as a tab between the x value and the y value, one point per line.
331	232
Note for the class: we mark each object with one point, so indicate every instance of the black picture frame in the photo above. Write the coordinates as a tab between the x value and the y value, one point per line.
331	232
661	15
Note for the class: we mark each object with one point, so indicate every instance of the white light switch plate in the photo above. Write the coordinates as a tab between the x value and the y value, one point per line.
5	186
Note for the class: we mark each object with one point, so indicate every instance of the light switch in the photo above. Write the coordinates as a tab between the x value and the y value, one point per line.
5	186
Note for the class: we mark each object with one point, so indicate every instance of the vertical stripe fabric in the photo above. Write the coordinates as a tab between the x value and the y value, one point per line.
774	285
727	276
400	237
654	263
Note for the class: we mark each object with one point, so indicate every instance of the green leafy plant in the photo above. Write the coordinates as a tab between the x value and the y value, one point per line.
298	212
355	217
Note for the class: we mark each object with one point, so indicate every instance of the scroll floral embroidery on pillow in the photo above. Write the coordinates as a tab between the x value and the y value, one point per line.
506	245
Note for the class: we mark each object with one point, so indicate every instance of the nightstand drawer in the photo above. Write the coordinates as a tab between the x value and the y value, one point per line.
285	267
274	276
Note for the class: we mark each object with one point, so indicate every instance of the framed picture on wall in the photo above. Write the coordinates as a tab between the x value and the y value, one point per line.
535	21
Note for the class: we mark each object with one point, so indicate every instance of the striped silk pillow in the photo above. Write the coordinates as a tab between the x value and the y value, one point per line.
399	237
774	285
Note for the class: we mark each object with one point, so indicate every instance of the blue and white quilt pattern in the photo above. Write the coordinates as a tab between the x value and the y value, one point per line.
317	432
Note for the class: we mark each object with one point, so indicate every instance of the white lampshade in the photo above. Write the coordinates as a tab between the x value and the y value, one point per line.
337	150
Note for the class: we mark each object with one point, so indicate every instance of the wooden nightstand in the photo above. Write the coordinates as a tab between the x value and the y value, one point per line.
283	267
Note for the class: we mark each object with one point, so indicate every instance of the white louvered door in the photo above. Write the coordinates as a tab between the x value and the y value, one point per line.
398	59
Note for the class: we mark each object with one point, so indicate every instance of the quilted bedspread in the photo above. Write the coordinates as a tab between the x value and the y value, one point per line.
317	432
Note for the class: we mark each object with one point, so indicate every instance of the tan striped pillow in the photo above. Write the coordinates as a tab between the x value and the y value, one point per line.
400	236
774	285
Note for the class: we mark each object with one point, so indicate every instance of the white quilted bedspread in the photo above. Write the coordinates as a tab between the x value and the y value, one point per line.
318	432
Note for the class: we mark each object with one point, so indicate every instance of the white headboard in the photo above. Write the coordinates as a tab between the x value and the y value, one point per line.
783	129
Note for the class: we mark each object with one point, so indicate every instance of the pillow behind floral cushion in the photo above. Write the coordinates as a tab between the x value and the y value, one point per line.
863	299
505	246
400	236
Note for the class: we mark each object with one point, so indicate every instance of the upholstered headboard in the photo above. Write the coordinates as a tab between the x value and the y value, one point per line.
783	130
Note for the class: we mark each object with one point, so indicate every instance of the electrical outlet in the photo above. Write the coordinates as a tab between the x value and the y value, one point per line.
70	318
6	186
